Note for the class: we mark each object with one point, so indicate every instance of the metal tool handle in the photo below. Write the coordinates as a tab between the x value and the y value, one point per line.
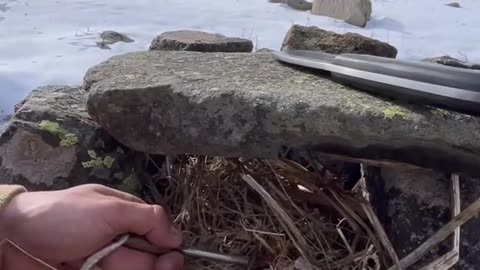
141	244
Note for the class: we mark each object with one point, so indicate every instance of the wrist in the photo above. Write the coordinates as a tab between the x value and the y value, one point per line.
7	193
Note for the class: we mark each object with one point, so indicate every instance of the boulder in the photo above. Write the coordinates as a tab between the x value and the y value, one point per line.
316	39
416	204
450	61
187	40
52	143
454	4
355	12
250	105
295	4
111	37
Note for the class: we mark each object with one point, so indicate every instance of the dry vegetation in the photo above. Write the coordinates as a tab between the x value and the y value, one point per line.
276	210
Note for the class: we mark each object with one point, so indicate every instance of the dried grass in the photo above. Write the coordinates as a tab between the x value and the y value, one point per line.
275	209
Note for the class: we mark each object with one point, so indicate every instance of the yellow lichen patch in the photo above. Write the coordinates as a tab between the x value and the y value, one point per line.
392	112
98	162
69	139
51	127
93	163
66	139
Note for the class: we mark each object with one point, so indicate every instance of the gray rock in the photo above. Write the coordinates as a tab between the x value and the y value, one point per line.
111	37
450	61
187	40
447	61
301	5
52	143
313	38
417	204
355	12
235	104
454	4
264	50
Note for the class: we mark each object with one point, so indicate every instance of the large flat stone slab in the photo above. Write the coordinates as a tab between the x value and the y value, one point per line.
248	104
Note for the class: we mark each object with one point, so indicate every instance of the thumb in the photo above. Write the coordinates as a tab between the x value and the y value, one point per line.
150	221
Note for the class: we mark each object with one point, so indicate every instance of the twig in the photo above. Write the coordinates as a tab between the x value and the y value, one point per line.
445	262
467	214
456	209
381	234
293	232
449	259
344	239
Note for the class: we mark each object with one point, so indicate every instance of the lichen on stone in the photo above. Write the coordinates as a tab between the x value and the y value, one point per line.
98	162
92	154
392	112
130	184
93	163
108	161
66	138
69	139
52	127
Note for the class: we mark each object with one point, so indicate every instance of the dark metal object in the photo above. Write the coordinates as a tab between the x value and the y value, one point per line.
139	243
418	82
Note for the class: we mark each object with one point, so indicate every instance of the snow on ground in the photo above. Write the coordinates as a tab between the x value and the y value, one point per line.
53	41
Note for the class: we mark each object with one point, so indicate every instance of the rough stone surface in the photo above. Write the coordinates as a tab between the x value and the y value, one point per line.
235	104
50	141
295	4
450	61
316	39
417	204
111	37
355	12
454	4
264	50
186	40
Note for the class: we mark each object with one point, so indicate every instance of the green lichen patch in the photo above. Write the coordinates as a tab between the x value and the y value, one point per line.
98	162
92	154
130	185
108	161
69	139
52	127
93	163
392	112
66	138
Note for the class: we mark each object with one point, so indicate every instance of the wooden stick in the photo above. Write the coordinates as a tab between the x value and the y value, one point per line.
467	214
456	209
451	258
382	234
445	262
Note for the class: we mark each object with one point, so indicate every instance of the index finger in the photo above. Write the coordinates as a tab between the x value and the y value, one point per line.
150	221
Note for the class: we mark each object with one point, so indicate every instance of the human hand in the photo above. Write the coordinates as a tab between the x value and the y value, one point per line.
63	228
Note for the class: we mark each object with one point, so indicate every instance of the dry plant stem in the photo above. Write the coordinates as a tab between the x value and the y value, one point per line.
296	236
344	239
367	208
464	216
381	234
357	219
456	209
445	262
449	259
